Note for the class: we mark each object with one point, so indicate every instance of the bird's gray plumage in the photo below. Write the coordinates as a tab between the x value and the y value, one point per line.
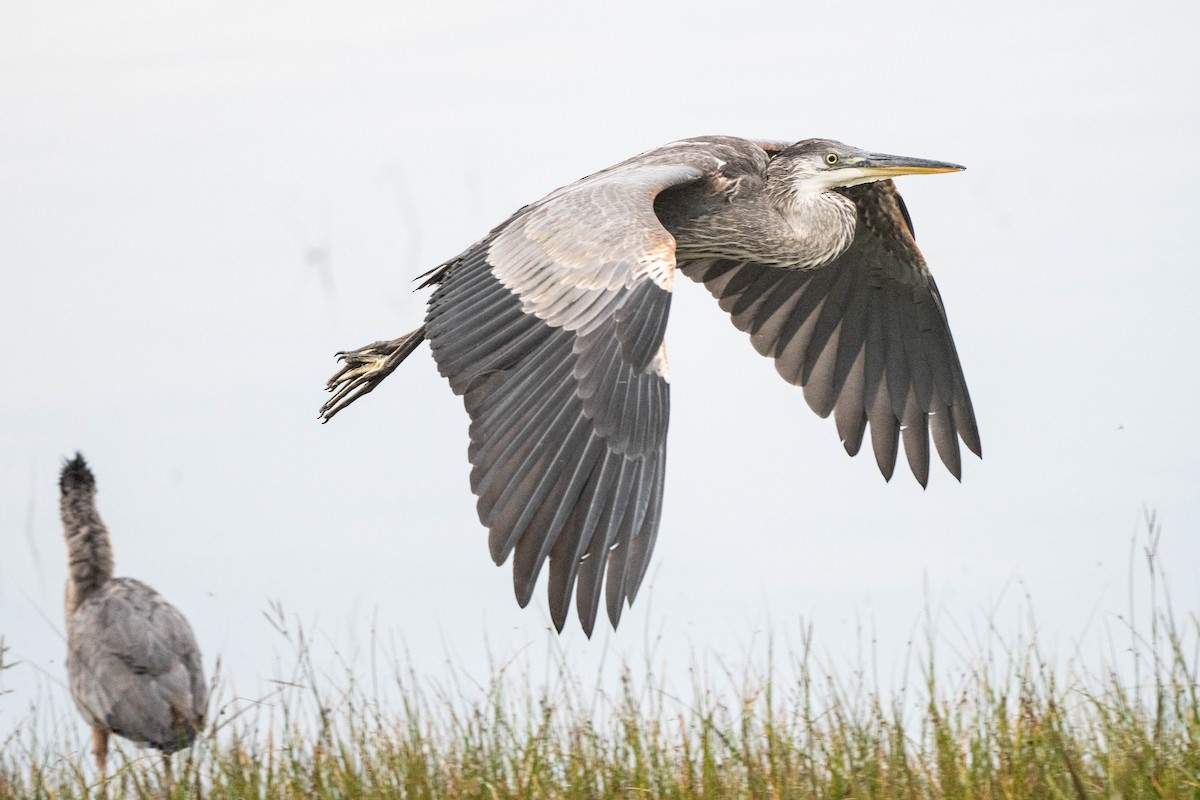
132	659
552	329
135	667
866	336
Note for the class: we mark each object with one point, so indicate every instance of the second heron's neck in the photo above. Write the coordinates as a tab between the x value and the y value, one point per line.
89	552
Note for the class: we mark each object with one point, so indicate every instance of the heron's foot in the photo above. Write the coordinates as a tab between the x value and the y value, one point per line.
363	369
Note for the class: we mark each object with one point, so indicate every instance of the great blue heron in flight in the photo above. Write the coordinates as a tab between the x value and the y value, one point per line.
132	659
551	327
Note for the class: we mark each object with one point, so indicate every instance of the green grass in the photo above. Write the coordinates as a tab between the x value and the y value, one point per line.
1012	724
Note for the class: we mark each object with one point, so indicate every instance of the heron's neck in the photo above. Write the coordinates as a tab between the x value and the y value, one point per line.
794	230
822	224
89	552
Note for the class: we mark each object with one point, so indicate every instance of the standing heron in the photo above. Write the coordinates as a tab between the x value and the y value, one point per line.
551	328
132	659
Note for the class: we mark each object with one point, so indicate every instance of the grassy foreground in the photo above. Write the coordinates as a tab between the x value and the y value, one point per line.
1012	725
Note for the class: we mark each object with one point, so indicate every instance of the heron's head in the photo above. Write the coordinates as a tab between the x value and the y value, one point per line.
817	165
76	476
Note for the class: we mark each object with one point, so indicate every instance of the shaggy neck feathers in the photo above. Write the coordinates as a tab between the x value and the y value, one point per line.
89	551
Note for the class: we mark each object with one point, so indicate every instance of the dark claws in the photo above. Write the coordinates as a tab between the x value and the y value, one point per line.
364	369
361	372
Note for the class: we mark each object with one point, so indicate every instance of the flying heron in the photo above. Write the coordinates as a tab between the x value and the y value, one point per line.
132	659
551	328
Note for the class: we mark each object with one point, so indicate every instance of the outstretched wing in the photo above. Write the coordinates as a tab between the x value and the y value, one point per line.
552	330
866	336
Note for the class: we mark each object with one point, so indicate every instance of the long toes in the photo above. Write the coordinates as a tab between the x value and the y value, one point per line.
353	371
343	375
346	392
341	392
364	369
371	351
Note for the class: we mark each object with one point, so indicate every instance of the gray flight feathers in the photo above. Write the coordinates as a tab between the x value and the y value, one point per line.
866	336
568	433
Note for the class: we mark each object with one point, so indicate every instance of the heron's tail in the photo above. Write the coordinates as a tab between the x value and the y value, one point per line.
89	552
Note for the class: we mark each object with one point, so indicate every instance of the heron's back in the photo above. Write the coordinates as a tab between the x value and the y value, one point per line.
134	666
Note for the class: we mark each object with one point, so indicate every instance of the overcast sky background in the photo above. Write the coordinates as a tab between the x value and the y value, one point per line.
200	204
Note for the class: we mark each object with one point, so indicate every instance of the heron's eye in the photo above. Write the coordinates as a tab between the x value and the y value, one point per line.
831	158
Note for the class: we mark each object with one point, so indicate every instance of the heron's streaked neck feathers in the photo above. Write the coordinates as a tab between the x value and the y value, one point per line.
822	221
89	551
767	222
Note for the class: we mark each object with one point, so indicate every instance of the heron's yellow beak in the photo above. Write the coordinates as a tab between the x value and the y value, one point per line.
882	165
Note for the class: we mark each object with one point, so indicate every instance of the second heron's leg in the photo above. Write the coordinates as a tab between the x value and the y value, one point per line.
100	750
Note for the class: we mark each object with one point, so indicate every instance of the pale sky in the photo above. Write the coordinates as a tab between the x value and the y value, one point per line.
200	204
